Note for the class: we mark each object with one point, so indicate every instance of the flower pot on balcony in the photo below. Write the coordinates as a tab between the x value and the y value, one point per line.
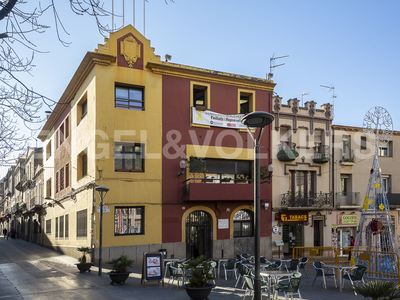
287	155
321	160
207	180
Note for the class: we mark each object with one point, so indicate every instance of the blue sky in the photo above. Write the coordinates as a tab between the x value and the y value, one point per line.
351	45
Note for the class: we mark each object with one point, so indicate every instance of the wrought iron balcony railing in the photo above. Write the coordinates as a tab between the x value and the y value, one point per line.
310	200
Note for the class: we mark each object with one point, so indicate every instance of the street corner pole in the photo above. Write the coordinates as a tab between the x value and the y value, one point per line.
257	276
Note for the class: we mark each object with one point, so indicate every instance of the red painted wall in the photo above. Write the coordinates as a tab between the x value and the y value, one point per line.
176	118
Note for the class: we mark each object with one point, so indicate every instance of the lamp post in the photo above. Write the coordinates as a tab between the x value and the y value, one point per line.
257	119
102	191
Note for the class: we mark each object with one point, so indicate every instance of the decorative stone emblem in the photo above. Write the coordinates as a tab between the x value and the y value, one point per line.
130	49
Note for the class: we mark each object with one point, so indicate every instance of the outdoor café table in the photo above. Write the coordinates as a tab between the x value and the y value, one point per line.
273	274
340	269
222	260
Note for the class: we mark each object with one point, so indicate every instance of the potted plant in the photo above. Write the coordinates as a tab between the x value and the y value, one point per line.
200	272
240	178
196	166
83	265
208	179
225	179
378	289
120	267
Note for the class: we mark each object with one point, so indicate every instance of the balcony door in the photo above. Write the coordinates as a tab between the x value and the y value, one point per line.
302	186
198	234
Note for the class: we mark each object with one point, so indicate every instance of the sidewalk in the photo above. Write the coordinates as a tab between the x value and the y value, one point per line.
29	271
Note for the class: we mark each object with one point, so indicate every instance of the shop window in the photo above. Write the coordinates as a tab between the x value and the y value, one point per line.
129	97
81	223
56	227
66	224
243	224
129	220
129	157
48	226
61	226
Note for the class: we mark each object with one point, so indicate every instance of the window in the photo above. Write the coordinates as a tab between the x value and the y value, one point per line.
56	227
61	179
81	224
199	95
67	127
346	150
82	165
363	143
57	182
84	109
57	140
246	101
243	224
386	150
67	175
48	188
129	157
129	97
386	183
62	132
61	226
48	226
302	184
48	150
66	224
129	220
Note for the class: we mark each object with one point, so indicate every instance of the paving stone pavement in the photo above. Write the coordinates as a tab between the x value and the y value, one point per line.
29	271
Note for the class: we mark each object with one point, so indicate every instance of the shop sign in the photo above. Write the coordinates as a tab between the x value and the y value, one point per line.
347	219
292	217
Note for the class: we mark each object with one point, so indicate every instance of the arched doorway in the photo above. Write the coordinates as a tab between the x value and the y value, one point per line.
198	234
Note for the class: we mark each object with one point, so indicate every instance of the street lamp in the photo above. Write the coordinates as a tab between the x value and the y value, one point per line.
257	119
102	191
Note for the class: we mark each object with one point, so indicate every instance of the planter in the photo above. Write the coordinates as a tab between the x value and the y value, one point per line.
207	180
198	293
239	181
84	267
224	180
118	277
287	155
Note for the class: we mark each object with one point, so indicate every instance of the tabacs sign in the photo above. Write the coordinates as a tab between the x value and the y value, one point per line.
292	217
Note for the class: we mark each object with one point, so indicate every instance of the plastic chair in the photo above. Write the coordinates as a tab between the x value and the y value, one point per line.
278	263
230	266
272	267
294	265
249	280
320	272
356	276
243	270
289	289
302	264
174	273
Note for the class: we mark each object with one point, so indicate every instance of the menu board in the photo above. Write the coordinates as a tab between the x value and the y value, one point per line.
152	269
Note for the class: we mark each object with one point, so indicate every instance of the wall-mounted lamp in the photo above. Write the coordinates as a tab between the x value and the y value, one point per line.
266	206
183	208
227	210
270	171
182	165
55	201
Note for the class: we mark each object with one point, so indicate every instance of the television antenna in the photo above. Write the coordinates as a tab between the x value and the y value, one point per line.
272	65
331	88
302	95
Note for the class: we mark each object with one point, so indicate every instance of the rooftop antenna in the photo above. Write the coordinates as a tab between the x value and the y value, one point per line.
302	95
272	65
333	98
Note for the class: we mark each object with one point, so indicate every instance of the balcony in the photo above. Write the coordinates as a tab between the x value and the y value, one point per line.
394	199
348	200
312	200
321	154
199	191
287	151
347	157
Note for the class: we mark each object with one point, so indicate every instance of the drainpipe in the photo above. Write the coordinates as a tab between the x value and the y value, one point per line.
333	167
92	225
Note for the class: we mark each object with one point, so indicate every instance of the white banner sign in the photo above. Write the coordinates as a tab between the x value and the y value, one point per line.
210	118
106	209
